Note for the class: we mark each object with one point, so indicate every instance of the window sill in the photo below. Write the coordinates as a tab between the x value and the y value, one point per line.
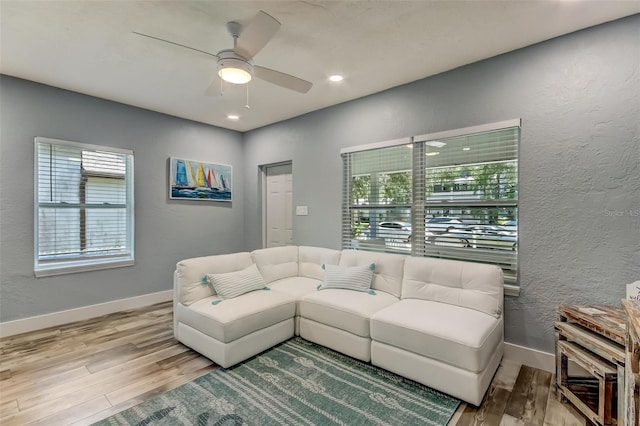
80	266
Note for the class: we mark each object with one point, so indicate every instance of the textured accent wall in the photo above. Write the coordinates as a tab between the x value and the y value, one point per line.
166	230
579	100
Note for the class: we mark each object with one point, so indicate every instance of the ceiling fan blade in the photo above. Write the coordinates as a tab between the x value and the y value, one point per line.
256	35
281	79
174	43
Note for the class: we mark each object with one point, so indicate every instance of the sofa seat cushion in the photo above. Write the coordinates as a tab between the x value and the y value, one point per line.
347	310
233	318
296	286
459	336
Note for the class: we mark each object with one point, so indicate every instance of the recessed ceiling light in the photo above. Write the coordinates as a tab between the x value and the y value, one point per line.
466	149
429	154
233	117
336	77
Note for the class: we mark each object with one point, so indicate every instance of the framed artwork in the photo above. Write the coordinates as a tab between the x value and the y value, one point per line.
197	180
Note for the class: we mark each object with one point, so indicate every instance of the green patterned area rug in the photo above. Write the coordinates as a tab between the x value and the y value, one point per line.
295	383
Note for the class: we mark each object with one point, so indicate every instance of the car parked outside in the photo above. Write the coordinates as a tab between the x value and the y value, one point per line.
447	239
511	225
488	237
445	224
394	230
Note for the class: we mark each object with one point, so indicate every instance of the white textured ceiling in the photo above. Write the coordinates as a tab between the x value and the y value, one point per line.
88	47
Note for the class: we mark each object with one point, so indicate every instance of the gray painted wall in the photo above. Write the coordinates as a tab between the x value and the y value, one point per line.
579	100
166	230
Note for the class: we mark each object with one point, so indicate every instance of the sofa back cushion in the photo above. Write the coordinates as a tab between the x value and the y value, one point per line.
190	273
276	262
311	260
388	270
470	285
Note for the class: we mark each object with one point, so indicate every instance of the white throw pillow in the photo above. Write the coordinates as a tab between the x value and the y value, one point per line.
357	278
233	284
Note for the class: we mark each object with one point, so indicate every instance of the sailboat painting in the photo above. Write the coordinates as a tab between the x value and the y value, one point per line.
196	180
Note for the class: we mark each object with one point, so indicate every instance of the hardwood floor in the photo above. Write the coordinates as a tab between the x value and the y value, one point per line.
80	373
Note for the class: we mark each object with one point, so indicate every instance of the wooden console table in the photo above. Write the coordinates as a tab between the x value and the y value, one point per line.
632	362
594	338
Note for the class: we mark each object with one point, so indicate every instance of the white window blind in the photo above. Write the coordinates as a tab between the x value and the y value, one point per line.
83	207
378	199
451	195
471	198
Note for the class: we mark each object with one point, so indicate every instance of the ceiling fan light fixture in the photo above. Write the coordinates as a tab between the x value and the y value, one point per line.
234	71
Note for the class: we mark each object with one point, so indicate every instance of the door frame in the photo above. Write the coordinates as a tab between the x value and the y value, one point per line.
263	188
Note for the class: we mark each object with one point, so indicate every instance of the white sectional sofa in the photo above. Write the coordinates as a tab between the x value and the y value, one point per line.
438	322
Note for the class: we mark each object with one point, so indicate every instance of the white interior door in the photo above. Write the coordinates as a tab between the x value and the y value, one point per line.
279	205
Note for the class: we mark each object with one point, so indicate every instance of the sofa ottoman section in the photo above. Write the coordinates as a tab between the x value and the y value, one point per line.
452	349
460	383
447	332
462	337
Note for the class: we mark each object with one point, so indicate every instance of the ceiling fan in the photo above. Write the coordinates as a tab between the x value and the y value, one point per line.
236	65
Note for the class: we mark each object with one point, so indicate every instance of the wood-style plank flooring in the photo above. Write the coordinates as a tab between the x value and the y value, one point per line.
82	372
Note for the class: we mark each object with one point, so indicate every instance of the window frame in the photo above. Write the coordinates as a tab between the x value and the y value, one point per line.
420	204
80	263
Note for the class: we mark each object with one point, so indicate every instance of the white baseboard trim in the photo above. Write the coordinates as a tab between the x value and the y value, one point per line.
531	357
53	319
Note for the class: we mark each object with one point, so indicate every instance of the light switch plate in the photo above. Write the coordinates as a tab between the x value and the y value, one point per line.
302	211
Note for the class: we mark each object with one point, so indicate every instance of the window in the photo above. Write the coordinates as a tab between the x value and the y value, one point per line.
379	197
450	195
83	207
